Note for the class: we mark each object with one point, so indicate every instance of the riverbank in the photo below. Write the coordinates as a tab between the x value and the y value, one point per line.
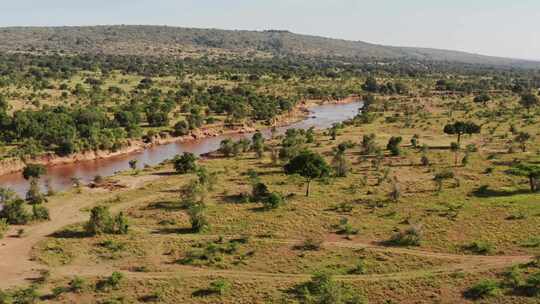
301	111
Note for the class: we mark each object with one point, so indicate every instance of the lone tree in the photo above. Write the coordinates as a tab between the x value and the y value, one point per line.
33	171
393	145
460	127
309	165
257	144
529	101
532	172
186	163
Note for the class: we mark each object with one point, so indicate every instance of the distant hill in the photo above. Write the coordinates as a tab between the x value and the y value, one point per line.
175	41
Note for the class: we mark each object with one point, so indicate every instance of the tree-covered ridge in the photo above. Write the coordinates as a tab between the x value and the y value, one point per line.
174	41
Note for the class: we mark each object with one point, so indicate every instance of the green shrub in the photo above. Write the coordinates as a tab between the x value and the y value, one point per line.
483	289
120	224
15	213
112	245
311	244
480	247
220	287
4	227
323	289
185	163
273	201
76	284
57	291
25	295
197	217
259	192
532	284
100	221
112	282
408	237
346	228
40	213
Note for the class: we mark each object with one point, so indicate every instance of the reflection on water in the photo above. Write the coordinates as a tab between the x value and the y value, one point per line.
60	177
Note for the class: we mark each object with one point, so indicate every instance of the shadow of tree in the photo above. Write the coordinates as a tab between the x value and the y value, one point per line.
181	230
70	234
203	293
241	198
165	205
485	191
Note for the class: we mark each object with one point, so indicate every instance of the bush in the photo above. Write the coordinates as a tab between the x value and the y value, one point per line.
345	228
112	282
77	284
40	213
15	213
186	163
311	244
259	192
359	268
408	237
323	289
480	247
532	284
483	289
57	291
25	295
181	128
197	217
120	225
273	201
393	145
100	221
220	287
32	171
4	226
34	195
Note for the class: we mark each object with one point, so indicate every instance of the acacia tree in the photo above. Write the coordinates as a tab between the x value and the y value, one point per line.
309	165
460	128
33	171
532	172
529	101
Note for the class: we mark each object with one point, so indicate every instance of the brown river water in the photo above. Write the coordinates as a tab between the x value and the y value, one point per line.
60	176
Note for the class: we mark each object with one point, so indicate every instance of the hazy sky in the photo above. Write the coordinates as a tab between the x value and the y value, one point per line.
508	28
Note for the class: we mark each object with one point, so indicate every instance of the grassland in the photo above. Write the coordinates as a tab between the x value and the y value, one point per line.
482	222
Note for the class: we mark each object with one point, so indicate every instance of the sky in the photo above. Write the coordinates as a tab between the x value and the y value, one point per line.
507	28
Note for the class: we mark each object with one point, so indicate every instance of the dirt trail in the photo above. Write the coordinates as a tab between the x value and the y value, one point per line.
463	263
17	266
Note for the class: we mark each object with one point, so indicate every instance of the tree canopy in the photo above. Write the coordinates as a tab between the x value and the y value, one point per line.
309	165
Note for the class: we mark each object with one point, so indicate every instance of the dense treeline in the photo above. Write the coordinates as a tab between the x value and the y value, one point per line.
20	66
